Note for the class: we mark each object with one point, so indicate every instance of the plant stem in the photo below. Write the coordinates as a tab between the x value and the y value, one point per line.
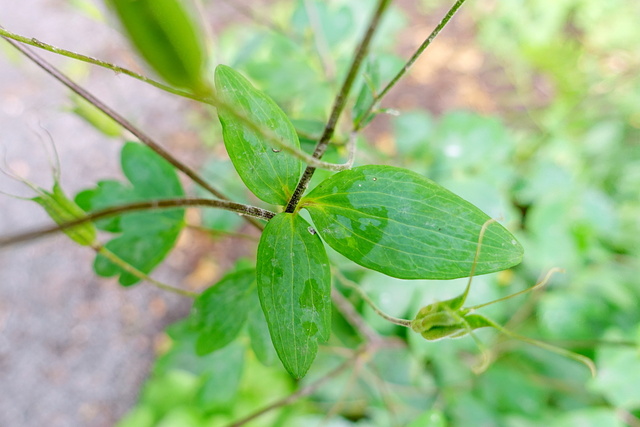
350	284
305	391
84	58
339	103
353	317
320	41
359	124
208	98
139	274
223	233
258	19
141	206
144	138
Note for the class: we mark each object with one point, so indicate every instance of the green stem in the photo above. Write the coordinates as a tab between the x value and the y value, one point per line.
350	284
144	138
84	58
339	104
139	274
239	208
309	389
359	124
209	98
524	291
223	233
558	350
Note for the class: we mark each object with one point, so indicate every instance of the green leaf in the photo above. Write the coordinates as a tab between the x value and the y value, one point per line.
164	34
294	285
220	312
260	339
271	174
147	237
430	418
402	224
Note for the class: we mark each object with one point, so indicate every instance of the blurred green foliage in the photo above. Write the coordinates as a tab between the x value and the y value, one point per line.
559	164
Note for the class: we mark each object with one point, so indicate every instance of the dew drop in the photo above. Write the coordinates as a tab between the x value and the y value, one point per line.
513	242
359	185
375	179
311	230
275	150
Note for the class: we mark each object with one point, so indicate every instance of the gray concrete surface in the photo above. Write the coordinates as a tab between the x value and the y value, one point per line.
74	348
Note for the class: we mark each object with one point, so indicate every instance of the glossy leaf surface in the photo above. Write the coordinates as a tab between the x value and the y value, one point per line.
146	237
164	34
220	312
294	287
402	224
269	172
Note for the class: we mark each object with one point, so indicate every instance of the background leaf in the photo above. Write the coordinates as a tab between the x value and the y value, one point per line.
147	237
270	173
166	37
219	313
402	224
294	287
259	333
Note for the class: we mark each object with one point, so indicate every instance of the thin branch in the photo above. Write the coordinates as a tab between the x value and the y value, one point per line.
88	59
353	317
210	99
144	138
350	284
339	103
258	19
139	274
344	393
359	124
322	47
239	208
305	391
213	232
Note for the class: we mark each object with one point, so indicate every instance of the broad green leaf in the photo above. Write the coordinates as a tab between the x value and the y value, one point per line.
146	237
219	313
294	287
269	172
61	209
404	225
166	37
